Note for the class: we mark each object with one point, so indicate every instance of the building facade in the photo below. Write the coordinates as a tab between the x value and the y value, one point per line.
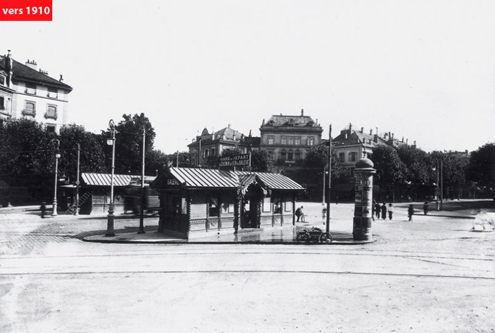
28	92
212	145
352	145
288	138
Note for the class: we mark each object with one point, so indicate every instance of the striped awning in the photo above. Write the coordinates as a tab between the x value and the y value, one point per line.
104	179
213	178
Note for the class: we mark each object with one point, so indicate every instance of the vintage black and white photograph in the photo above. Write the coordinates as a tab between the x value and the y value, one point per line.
247	166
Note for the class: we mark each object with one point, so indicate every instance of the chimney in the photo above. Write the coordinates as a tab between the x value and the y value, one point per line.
61	78
43	72
9	68
32	64
407	141
402	139
389	136
371	131
302	112
350	128
362	129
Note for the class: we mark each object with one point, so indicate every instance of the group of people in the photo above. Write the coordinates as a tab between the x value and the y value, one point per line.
382	210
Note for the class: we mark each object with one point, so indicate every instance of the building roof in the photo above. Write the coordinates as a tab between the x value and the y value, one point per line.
221	179
104	179
22	72
290	121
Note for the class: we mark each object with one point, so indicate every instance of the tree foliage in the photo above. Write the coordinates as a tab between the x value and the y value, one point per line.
390	169
481	168
129	143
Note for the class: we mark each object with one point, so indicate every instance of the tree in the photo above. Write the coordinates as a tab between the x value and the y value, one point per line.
481	167
390	170
27	156
417	164
317	158
129	143
92	156
260	161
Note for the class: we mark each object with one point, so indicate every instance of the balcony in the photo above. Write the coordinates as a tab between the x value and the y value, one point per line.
51	115
29	112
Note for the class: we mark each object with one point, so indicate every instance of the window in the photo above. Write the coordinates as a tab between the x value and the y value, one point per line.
271	155
212	151
2	80
283	140
50	128
206	152
290	140
2	103
30	89
311	141
352	157
51	112
297	154
342	157
213	207
283	155
271	139
52	93
297	140
290	155
29	109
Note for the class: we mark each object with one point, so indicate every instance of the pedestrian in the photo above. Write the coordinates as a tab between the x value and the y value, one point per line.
390	211
425	207
337	200
410	212
300	214
373	210
384	211
377	210
43	209
324	213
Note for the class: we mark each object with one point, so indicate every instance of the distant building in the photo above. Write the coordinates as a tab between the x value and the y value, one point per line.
28	92
212	145
350	145
288	138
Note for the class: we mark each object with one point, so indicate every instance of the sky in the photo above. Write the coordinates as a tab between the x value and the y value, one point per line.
423	70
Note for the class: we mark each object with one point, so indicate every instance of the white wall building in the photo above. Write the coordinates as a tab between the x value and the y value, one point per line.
26	91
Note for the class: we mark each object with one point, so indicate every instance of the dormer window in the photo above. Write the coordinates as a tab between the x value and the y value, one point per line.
52	93
30	89
51	112
2	80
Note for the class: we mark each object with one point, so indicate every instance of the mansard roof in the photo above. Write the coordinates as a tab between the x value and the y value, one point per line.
25	73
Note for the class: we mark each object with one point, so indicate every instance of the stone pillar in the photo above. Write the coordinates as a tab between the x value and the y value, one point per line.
363	200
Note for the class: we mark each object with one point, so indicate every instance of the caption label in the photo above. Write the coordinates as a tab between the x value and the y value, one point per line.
26	10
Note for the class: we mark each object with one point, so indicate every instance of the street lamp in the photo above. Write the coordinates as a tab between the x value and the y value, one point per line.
439	185
111	141
57	156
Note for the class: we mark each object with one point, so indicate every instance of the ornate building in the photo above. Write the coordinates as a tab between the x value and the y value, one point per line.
288	138
350	145
26	91
212	145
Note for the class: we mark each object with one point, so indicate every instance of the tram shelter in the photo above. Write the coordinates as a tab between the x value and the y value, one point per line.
198	202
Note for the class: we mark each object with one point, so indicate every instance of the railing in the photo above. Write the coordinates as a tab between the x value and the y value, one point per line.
29	112
51	114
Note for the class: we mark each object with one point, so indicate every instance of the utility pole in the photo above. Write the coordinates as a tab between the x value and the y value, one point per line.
329	176
141	215
77	179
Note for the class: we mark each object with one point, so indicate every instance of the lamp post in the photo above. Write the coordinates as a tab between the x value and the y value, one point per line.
57	156
111	141
77	179
141	215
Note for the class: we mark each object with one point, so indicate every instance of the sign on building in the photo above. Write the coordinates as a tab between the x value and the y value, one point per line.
238	160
